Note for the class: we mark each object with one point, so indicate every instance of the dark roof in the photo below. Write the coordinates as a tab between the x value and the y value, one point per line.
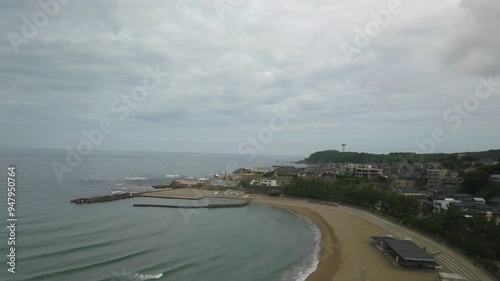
465	204
410	190
484	207
495	200
462	195
409	251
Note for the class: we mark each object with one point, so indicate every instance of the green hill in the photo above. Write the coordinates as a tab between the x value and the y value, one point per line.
335	156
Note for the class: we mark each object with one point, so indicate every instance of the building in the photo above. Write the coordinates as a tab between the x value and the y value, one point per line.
413	192
367	172
435	178
268	182
443	203
451	183
286	171
465	206
405	252
403	183
495	178
494	202
479	200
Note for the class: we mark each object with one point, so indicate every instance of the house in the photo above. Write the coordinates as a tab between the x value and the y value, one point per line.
285	171
443	203
367	172
403	183
494	202
495	178
479	200
465	206
346	169
268	182
491	213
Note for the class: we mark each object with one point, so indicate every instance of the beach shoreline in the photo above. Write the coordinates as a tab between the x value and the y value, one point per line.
346	250
329	256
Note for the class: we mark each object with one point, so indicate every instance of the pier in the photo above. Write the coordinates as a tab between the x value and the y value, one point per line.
104	198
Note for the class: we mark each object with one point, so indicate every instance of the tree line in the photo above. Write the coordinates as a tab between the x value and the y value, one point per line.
335	156
477	237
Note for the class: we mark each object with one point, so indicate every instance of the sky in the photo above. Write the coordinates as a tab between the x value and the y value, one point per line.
234	76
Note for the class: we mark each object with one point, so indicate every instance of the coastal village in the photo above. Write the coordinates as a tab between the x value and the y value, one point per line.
436	187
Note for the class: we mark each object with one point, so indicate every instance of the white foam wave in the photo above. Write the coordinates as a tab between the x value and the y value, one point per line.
136	179
172	176
309	265
138	276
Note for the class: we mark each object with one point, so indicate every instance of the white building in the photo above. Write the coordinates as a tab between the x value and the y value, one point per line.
495	178
268	182
443	204
479	200
367	172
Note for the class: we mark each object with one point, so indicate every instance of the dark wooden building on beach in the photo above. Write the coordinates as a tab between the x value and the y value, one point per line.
405	252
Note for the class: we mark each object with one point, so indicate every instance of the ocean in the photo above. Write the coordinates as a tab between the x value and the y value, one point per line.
57	240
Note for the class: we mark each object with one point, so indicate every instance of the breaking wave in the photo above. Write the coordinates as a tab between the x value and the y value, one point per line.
138	276
309	265
136	179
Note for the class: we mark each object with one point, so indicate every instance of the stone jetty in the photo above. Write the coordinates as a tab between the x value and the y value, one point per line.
209	206
105	198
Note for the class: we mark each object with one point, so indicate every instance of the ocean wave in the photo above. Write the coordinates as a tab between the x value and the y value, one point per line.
172	176
136	179
137	276
309	265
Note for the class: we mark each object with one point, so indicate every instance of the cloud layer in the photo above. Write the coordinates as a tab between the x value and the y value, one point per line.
231	63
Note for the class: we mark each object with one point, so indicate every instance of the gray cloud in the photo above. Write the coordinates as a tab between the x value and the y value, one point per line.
226	75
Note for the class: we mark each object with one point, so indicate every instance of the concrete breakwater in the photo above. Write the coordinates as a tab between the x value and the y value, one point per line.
105	198
209	206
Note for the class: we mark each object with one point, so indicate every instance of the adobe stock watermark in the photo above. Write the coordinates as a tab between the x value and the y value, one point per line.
460	111
363	36
189	210
49	9
251	146
94	137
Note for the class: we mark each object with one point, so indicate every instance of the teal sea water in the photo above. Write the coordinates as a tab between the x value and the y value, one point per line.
57	240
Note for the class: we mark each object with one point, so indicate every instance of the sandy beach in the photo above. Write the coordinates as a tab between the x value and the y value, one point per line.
345	247
345	244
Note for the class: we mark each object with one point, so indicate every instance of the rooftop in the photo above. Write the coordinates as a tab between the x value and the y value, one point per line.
409	251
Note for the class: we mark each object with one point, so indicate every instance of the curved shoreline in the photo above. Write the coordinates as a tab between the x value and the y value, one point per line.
329	257
346	249
351	251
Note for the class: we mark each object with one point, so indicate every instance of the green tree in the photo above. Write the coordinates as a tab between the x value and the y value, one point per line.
475	180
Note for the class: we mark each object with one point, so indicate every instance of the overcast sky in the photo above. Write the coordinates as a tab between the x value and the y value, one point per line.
231	64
